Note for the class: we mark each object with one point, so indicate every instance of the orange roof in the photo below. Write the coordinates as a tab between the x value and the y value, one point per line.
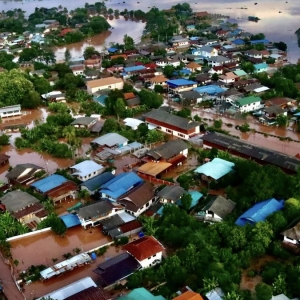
189	295
103	81
158	79
129	95
118	55
144	247
193	65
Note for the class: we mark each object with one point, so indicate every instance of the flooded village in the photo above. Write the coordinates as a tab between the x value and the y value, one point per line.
142	146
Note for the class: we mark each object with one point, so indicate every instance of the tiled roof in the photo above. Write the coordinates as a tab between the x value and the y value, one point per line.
144	247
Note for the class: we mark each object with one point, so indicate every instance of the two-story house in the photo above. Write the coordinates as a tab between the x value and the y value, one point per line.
146	250
253	53
206	51
87	169
248	104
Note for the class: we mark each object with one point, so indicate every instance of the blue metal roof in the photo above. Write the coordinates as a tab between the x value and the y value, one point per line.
183	72
48	183
297	114
134	68
196	196
120	184
95	182
216	168
239	42
194	38
180	82
112	50
259	42
259	212
70	220
209	89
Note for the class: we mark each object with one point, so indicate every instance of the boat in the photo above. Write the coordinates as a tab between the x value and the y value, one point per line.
253	19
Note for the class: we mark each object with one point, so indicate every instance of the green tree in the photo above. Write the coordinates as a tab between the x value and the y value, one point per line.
150	99
168	71
110	125
4	139
218	123
120	108
158	89
279	285
282	120
154	136
89	52
248	67
128	42
149	224
215	77
186	201
263	291
209	284
67	55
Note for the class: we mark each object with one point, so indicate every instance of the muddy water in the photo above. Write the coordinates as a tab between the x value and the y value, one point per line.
291	148
120	27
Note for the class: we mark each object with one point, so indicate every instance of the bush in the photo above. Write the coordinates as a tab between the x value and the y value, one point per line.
101	251
251	273
121	241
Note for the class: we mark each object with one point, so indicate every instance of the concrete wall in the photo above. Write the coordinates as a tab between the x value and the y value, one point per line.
28	234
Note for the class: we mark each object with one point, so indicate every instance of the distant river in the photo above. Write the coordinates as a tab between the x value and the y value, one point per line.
276	26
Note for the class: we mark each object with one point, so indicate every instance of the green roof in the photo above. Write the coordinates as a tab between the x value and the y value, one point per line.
141	294
248	100
240	73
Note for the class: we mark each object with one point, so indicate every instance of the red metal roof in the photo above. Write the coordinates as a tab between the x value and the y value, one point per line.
144	247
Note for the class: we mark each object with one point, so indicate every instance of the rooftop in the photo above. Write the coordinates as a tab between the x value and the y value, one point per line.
216	169
220	206
171	192
180	82
95	209
188	295
144	247
248	100
103	82
168	150
95	182
141	294
293	233
17	200
170	119
48	183
19	169
83	121
110	140
154	168
86	167
259	212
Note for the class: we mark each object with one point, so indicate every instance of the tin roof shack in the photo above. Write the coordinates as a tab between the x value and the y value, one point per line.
24	207
10	111
67	265
23	173
54	96
56	187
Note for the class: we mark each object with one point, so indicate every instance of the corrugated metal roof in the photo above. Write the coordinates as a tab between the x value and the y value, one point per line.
70	220
48	183
86	167
134	68
180	82
95	182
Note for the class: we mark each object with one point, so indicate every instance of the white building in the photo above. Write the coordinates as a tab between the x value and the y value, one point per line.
206	51
248	104
109	83
146	250
10	111
292	235
86	170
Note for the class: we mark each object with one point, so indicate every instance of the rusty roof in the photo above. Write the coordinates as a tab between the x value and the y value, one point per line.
91	293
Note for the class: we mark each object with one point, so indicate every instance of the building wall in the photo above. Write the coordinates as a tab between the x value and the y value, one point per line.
210	214
143	208
251	107
113	86
151	261
91	175
10	112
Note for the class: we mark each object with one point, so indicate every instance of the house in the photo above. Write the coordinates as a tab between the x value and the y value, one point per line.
141	294
247	150
270	113
108	83
152	169
92	185
146	250
292	235
117	268
249	103
117	220
238	42
174	151
121	184
56	187
201	14
253	53
240	73
92	214
78	70
133	70
195	197
4	159
193	66
216	70
259	212
218	60
93	62
206	51
84	122
170	194
262	67
131	99
24	207
255	87
110	140
179	42
283	102
23	173
190	97
130	228
257	42
172	124
87	169
215	169
217	209
10	111
203	78
228	78
134	123
139	199
189	295
181	85
158	80
54	96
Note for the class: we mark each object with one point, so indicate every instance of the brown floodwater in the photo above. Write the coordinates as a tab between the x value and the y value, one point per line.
120	27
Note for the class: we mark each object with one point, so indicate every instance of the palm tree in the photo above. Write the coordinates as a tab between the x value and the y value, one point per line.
232	296
69	133
209	284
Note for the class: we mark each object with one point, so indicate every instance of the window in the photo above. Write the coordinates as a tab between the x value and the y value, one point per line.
181	135
168	130
154	255
147	204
